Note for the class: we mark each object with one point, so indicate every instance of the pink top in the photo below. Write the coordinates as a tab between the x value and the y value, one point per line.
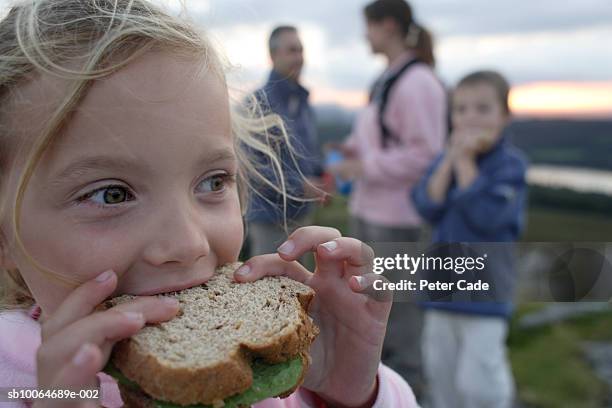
416	114
20	339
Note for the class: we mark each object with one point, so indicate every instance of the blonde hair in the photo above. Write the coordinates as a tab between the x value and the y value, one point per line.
102	36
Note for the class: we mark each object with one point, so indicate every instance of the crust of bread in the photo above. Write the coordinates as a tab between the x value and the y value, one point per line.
210	385
183	386
138	399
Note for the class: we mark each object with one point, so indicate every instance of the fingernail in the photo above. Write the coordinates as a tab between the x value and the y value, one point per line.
330	245
360	281
170	301
82	356
134	316
104	276
287	248
243	271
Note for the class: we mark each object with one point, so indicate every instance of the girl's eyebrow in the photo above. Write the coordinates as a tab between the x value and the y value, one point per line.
80	167
215	156
125	164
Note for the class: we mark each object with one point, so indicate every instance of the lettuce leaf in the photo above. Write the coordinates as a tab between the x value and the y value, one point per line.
268	380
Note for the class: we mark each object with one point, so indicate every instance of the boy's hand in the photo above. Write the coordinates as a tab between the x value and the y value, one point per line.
346	354
468	143
76	341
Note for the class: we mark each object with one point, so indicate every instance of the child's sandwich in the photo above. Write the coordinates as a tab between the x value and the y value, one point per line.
231	345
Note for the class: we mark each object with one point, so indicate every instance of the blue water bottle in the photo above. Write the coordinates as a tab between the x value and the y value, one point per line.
334	157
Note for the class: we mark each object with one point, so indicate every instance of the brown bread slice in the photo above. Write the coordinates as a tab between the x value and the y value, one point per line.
203	355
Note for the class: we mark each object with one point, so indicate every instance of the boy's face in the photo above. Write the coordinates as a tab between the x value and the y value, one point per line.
476	107
140	181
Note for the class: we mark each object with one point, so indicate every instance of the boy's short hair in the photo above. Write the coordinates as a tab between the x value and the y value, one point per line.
493	78
275	35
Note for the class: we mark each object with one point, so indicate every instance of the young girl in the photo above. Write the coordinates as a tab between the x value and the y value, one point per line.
120	172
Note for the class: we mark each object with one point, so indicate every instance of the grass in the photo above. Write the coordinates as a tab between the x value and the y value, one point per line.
544	225
334	215
548	364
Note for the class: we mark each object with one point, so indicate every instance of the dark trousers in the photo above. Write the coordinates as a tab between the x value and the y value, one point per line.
402	346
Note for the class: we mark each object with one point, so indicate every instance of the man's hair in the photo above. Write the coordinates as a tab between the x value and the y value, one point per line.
493	78
273	42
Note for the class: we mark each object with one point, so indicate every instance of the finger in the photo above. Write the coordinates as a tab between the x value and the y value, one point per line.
357	256
379	297
80	302
154	309
306	239
80	373
102	329
271	265
373	286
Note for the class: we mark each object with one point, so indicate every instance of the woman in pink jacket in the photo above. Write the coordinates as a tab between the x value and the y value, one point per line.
393	141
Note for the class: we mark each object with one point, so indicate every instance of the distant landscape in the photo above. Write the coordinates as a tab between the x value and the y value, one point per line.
573	143
554	213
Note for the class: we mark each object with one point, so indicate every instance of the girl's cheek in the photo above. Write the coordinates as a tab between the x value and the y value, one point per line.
63	256
80	251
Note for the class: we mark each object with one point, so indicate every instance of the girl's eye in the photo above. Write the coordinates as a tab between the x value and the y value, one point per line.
213	183
110	195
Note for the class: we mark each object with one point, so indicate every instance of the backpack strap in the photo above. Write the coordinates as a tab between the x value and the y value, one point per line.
386	90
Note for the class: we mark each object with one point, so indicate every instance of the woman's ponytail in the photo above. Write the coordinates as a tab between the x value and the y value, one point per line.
420	40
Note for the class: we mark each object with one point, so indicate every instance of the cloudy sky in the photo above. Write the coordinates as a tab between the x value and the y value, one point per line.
557	54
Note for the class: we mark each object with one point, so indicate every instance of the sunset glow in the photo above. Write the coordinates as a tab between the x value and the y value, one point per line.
592	99
348	99
543	99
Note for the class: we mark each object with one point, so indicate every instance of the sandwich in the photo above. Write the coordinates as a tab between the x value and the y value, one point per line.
231	345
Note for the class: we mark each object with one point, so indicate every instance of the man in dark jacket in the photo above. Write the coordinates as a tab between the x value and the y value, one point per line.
284	95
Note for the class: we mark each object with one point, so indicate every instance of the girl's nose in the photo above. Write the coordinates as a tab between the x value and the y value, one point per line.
179	239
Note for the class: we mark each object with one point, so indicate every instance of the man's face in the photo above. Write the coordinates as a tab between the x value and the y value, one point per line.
288	58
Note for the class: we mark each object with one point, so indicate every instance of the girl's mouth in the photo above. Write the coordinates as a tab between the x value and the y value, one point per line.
173	288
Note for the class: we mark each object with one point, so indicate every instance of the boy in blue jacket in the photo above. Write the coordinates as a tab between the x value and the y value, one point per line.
474	192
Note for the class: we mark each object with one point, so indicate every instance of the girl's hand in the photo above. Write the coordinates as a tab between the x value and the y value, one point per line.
76	341
346	354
